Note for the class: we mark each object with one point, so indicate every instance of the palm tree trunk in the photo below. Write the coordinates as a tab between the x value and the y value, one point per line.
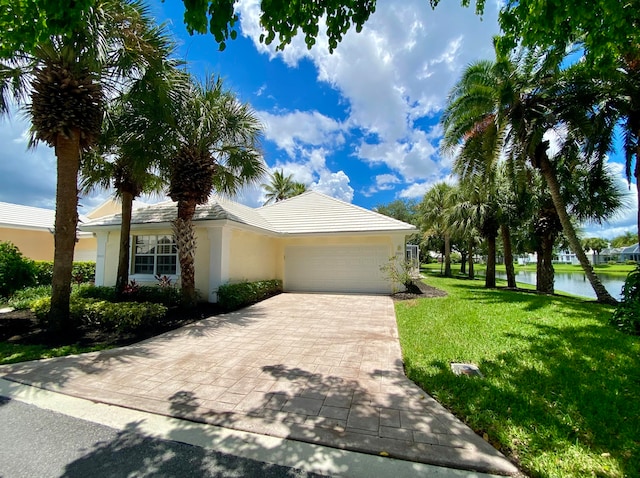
186	241
508	256
545	274
554	189
447	255
490	274
68	155
125	246
463	262
472	273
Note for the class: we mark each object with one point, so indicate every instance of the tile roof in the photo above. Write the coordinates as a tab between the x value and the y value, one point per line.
28	217
309	213
313	212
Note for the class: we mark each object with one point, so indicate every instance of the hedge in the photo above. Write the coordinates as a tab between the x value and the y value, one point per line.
82	272
235	296
16	271
105	315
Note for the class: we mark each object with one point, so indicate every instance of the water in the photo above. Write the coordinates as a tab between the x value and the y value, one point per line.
574	282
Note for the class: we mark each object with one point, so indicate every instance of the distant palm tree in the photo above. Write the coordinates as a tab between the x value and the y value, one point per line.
216	150
509	105
63	85
434	211
282	187
134	143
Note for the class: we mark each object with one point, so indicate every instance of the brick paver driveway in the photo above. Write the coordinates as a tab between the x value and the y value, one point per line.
313	367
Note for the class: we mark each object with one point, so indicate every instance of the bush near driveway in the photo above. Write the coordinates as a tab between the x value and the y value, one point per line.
235	296
561	387
105	315
16	271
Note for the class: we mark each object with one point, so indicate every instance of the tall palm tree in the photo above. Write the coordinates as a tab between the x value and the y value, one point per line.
62	85
216	149
510	105
282	187
134	141
434	217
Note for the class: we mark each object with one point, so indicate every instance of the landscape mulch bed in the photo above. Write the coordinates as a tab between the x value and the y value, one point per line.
419	290
22	327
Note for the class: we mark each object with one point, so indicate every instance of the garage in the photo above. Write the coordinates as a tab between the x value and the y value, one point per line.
336	268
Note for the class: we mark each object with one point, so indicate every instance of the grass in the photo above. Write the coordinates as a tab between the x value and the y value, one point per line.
14	353
561	393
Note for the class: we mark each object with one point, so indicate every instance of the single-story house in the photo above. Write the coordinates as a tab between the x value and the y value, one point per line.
312	242
31	230
630	253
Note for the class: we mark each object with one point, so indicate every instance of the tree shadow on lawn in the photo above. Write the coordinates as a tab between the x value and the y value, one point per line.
532	299
575	386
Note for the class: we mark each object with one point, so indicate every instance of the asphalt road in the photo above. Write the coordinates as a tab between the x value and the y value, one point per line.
42	443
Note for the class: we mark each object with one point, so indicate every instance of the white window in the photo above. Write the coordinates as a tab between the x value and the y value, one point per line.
155	255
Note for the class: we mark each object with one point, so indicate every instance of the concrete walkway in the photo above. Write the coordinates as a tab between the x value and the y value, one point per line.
322	369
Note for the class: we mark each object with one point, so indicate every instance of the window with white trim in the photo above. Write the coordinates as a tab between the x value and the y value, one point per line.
155	255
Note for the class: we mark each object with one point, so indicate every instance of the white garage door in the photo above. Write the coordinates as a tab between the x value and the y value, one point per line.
336	269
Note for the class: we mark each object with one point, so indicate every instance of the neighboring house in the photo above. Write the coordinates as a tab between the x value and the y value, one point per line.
312	242
31	230
630	253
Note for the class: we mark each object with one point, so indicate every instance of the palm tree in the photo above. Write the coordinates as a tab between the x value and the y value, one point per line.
434	216
510	105
133	142
216	149
62	86
282	187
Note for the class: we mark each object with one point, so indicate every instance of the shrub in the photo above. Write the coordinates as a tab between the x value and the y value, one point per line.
88	291
40	307
234	296
82	272
123	316
398	272
168	296
23	298
105	315
16	271
630	262
626	317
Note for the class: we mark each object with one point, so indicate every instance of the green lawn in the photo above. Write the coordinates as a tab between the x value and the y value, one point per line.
561	392
13	353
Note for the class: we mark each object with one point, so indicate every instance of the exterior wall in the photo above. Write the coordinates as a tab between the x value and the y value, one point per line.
201	262
39	244
252	257
85	249
108	268
107	208
34	244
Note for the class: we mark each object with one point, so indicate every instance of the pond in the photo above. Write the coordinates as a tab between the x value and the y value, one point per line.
574	282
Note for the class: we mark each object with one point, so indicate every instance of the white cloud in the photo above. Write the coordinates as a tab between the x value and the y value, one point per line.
398	70
416	190
289	131
312	170
627	217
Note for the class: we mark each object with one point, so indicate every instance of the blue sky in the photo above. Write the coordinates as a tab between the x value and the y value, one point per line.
360	125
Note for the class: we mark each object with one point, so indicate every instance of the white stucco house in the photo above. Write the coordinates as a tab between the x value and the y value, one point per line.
312	242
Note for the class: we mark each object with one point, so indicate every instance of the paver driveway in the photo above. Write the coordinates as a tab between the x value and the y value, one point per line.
313	367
